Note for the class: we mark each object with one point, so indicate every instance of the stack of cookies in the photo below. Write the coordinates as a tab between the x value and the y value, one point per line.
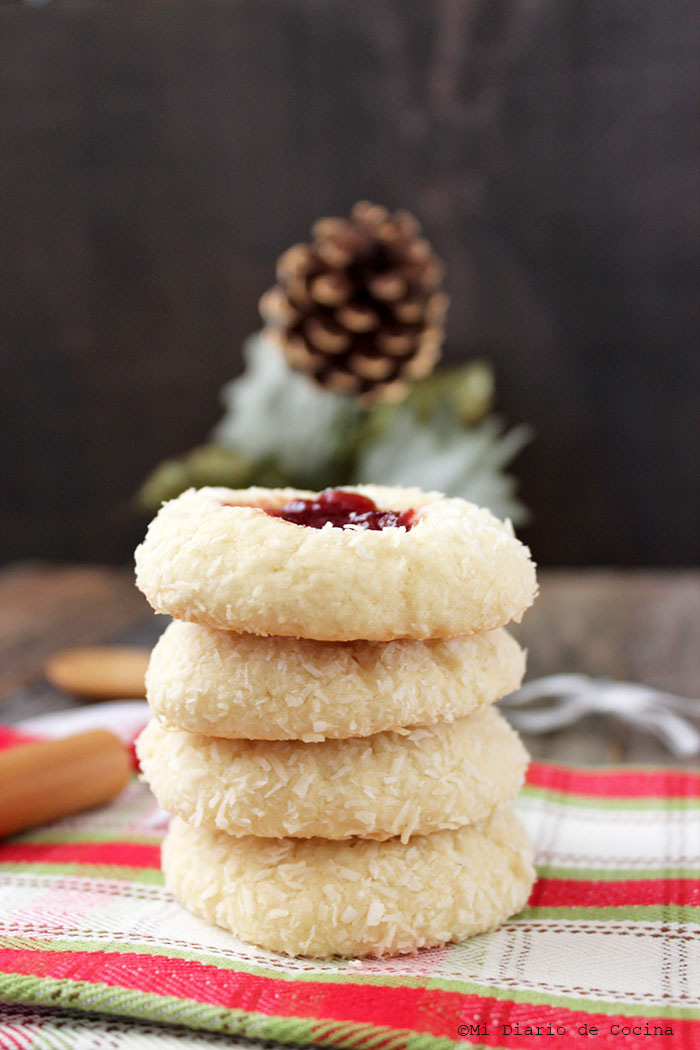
323	726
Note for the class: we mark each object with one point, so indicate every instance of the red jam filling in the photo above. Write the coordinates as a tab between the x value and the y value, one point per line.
342	508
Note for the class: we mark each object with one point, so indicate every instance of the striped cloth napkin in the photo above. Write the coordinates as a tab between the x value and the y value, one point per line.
606	954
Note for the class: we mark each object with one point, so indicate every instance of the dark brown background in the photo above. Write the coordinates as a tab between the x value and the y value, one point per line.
156	157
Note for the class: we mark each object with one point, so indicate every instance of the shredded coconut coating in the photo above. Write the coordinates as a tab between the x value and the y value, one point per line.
243	686
317	898
377	787
457	571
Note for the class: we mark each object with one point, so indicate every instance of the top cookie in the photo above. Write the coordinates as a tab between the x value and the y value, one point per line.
418	566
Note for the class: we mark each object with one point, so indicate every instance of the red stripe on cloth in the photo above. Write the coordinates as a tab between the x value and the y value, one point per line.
123	854
429	1010
580	893
18	1037
632	783
12	737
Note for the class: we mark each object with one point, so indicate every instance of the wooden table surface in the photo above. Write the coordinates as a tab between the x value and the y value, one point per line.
640	626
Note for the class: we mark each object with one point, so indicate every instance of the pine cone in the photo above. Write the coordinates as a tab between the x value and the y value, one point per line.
359	310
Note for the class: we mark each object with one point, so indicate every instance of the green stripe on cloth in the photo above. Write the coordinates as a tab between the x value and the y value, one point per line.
547	871
596	802
164	1009
617	913
142	876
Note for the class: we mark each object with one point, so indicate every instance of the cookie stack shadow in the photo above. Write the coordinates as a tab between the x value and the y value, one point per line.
337	797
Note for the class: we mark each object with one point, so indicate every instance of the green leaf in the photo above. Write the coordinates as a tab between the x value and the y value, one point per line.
280	429
204	465
467	390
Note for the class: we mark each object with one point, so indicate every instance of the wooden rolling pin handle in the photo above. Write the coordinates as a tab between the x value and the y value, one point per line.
55	778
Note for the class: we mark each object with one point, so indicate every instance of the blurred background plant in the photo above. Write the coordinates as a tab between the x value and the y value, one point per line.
280	429
339	387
